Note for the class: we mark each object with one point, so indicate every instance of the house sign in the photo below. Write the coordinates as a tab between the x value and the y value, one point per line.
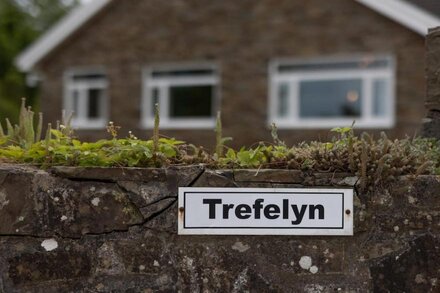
265	211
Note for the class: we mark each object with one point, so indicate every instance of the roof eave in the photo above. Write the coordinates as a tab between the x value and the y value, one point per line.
404	13
27	59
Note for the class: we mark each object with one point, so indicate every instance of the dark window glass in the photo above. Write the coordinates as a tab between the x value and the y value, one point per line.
88	77
94	101
176	73
191	101
330	98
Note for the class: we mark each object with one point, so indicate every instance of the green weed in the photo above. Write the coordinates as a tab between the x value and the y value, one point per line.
374	161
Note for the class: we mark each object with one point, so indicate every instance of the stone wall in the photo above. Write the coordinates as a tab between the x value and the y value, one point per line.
431	125
114	230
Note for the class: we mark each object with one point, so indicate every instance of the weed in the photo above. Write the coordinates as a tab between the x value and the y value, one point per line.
375	161
219	139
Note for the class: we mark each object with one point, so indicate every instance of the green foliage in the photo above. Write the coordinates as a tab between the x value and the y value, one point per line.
44	13
274	133
219	139
16	32
22	134
374	161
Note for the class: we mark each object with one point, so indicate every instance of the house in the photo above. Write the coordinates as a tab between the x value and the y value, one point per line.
307	66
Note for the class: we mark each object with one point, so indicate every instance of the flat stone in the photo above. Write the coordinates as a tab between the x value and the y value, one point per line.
110	174
404	270
20	208
89	207
256	184
185	175
211	178
268	175
143	193
334	179
28	268
422	191
165	221
156	208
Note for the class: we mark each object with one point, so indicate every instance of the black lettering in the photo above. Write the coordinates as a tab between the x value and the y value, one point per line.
240	211
312	209
258	205
226	208
212	202
299	215
285	208
271	209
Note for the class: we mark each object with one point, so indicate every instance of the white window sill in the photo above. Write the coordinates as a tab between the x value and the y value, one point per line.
331	123
181	124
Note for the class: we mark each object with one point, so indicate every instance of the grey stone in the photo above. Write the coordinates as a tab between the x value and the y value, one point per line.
77	208
268	175
414	269
156	208
147	192
215	179
110	174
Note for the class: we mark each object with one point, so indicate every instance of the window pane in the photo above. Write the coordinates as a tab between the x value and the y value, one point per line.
88	77
330	98
154	99
380	88
75	103
283	99
94	103
191	101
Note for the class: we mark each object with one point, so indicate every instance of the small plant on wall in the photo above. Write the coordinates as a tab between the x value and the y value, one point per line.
373	160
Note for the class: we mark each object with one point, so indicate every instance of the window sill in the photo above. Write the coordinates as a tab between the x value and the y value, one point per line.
89	125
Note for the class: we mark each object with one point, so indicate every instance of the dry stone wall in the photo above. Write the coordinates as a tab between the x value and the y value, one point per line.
114	230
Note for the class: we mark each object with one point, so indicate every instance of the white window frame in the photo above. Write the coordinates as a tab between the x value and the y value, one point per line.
164	83
80	119
367	76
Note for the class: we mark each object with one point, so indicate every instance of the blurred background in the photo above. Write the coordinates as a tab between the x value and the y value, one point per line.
21	23
306	66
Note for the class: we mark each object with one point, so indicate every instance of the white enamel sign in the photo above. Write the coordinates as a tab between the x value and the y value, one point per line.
265	211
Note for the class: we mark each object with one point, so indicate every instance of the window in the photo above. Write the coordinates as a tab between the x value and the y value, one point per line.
86	95
330	92
187	96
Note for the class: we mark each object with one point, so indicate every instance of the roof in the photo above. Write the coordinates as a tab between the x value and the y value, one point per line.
417	15
26	60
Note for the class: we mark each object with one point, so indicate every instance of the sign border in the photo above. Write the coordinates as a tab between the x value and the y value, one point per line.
345	230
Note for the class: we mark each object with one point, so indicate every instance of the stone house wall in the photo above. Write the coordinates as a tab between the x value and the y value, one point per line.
241	37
